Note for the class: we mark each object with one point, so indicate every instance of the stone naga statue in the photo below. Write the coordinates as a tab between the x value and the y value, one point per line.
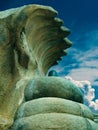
32	39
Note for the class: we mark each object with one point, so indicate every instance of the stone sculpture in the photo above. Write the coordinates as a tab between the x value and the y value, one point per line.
32	39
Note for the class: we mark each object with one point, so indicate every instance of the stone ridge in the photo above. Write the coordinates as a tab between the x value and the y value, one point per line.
38	36
53	105
6	13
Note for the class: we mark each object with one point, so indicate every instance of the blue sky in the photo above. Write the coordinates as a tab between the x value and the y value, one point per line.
81	63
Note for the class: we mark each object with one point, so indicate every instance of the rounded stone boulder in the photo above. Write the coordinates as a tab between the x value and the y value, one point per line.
51	105
54	121
52	87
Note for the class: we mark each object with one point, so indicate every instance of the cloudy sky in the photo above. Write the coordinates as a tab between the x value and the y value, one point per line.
81	64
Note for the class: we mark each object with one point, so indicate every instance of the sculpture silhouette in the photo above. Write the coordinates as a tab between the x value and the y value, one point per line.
32	39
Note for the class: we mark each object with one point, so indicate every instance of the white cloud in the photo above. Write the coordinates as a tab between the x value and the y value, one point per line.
94	104
84	73
88	91
90	54
90	63
87	63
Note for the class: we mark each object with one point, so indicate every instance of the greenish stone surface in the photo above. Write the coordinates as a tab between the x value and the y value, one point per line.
57	121
52	87
51	105
32	39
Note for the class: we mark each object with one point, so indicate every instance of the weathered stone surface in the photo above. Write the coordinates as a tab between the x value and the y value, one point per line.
31	41
57	121
52	87
50	105
5	123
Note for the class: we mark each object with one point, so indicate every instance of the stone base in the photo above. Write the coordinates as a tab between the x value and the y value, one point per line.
54	121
